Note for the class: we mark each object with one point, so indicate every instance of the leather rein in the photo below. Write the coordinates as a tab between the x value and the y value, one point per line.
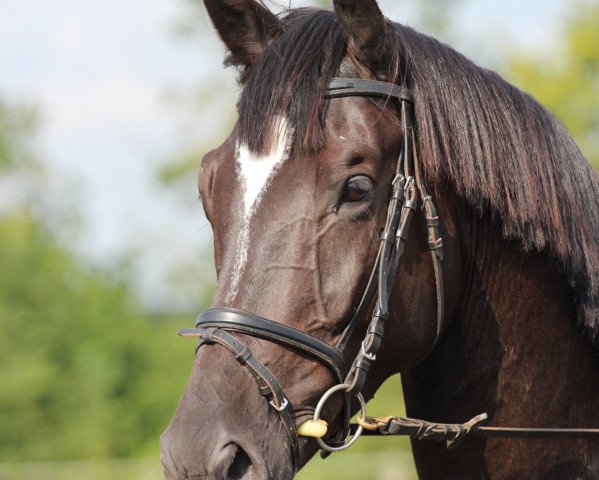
408	193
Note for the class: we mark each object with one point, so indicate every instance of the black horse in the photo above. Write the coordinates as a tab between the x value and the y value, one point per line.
298	196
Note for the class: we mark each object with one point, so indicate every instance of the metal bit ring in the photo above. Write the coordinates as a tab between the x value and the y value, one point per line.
346	443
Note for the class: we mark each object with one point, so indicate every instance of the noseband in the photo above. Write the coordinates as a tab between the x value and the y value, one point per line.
217	325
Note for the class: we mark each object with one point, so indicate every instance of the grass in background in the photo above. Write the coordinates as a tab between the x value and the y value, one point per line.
384	465
386	458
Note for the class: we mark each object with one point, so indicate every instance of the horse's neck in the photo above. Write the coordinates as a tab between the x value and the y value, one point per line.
513	350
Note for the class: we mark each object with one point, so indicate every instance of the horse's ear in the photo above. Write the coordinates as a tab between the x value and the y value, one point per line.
368	35
245	26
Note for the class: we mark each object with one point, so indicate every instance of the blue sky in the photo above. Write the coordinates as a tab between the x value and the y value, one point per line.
101	74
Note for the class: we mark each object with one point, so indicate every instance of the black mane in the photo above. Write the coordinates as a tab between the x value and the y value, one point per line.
290	78
495	145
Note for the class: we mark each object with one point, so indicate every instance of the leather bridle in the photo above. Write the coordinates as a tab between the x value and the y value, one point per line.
217	325
408	193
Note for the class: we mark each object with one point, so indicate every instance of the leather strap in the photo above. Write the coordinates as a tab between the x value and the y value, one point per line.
267	383
402	205
212	326
435	245
243	322
358	87
385	264
455	433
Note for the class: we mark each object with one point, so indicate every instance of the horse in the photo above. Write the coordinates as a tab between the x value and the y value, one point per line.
349	127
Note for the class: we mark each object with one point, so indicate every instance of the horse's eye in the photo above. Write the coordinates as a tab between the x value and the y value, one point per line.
356	189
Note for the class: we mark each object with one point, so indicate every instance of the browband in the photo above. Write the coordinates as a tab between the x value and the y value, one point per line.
358	87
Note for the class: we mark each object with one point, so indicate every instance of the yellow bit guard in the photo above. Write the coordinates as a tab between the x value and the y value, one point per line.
313	429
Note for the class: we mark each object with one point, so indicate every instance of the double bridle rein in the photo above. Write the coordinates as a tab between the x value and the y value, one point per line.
408	193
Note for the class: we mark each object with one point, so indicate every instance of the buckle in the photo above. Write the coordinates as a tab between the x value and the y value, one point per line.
399	178
280	408
366	355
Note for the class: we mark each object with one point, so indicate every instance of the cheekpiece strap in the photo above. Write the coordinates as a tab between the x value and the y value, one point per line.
267	383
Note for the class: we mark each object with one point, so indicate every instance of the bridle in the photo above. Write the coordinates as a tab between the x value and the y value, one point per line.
408	193
217	325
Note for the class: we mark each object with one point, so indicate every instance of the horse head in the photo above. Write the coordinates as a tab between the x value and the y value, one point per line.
297	197
326	236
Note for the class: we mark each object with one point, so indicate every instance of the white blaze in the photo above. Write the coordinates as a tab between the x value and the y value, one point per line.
256	172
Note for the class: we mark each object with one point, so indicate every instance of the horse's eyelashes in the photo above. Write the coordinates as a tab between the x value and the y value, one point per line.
356	189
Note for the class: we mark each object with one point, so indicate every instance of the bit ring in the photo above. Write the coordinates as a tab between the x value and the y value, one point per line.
346	443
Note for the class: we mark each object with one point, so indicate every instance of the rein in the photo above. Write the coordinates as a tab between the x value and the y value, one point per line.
455	433
408	193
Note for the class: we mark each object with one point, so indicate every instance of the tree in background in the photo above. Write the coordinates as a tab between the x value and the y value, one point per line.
83	373
15	122
566	80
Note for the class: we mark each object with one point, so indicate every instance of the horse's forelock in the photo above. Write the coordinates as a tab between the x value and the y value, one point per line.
289	79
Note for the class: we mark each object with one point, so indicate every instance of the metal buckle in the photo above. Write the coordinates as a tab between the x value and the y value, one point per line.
398	178
366	355
280	408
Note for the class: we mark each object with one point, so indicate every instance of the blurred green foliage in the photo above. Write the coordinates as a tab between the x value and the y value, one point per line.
83	372
350	465
15	122
566	78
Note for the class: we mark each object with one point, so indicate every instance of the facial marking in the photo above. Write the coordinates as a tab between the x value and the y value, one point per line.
256	172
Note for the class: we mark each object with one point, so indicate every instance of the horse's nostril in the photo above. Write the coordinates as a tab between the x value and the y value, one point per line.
240	466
